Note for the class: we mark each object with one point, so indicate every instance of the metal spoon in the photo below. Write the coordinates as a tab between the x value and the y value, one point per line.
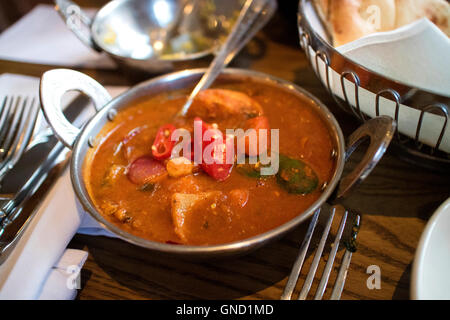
246	26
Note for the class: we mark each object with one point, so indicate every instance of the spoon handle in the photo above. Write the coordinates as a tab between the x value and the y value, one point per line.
243	30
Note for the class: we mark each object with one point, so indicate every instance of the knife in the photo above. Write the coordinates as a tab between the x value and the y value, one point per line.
31	179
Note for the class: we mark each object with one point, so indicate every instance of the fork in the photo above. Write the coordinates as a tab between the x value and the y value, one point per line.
342	274
17	121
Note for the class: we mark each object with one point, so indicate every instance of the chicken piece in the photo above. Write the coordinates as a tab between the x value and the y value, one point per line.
179	167
220	104
113	173
122	215
186	184
183	205
113	209
109	208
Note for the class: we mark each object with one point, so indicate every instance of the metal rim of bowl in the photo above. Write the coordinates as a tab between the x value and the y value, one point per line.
83	140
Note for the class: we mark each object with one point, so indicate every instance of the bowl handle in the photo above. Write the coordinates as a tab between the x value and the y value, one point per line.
77	21
54	84
380	131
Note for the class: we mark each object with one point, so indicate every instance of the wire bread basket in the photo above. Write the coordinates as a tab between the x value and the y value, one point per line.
423	134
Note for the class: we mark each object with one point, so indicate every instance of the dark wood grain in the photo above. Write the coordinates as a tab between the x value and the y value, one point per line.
395	202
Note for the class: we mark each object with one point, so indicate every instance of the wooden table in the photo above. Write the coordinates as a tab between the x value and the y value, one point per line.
395	201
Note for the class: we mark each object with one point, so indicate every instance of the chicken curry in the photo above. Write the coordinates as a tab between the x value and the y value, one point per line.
137	184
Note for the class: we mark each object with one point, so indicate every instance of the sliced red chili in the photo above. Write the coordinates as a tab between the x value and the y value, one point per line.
220	168
257	123
218	171
163	145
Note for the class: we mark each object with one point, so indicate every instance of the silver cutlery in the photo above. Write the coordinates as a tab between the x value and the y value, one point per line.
345	262
50	157
17	121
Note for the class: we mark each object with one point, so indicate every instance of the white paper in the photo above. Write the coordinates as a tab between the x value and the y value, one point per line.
42	37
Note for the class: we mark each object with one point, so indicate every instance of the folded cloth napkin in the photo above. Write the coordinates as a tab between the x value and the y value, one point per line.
40	266
42	37
43	243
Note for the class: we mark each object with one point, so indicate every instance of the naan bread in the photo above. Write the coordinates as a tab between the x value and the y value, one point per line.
438	11
349	20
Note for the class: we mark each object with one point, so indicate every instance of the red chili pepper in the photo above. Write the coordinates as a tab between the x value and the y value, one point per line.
257	124
219	171
163	145
218	153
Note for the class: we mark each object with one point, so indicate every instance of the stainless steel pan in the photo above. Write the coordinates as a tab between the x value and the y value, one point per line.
55	83
135	32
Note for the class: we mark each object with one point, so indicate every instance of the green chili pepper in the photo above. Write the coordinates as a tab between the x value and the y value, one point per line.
296	176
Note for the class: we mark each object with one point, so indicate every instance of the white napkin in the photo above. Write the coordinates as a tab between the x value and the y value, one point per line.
89	226
25	272
64	280
40	266
417	54
42	37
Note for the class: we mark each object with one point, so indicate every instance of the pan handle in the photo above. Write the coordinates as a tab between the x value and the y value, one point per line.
77	21
54	84
379	131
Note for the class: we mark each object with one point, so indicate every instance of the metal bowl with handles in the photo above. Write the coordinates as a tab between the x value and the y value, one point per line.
55	83
157	36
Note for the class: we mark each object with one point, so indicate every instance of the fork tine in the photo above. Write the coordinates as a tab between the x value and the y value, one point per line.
27	121
312	271
4	117
326	273
342	275
26	127
343	270
16	114
295	272
4	110
33	111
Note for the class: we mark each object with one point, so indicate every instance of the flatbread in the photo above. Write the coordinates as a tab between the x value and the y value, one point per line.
438	11
349	20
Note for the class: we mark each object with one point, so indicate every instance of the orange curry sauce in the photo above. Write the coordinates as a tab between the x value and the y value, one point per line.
241	206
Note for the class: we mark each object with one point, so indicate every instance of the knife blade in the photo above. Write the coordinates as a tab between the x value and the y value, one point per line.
31	179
